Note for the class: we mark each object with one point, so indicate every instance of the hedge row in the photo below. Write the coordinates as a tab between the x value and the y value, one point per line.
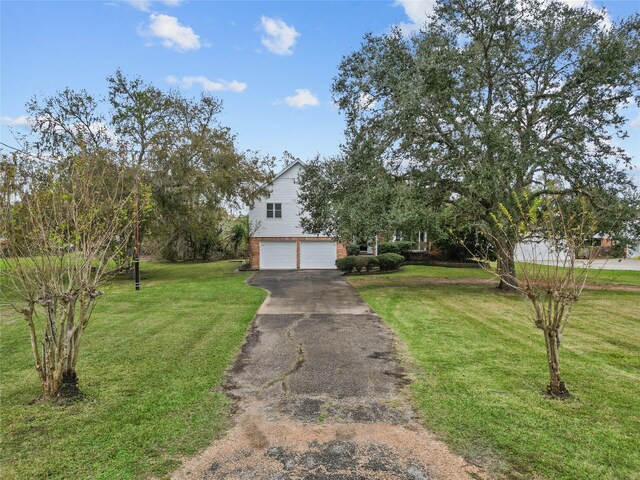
385	262
399	247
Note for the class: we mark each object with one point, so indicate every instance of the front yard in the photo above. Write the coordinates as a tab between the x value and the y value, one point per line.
150	365
480	369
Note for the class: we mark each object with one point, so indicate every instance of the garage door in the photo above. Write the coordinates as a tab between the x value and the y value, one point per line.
317	255
277	255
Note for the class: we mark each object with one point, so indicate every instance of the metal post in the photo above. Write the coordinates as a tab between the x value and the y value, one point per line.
136	237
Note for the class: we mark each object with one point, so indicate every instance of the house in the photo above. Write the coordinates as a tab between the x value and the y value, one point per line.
420	238
277	241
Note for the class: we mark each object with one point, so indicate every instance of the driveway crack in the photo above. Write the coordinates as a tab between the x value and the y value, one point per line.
297	363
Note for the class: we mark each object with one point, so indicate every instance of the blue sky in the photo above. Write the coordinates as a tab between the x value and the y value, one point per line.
272	63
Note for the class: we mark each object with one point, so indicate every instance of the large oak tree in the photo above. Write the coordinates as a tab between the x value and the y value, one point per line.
495	97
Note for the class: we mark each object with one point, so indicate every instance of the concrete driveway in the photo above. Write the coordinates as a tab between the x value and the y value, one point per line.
319	394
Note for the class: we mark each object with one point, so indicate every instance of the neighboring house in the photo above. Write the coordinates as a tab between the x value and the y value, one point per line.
600	246
277	241
419	237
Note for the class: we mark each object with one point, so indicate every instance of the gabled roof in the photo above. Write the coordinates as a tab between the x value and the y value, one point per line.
286	169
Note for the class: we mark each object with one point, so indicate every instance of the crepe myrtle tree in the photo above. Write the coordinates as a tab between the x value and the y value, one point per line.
492	97
550	235
66	225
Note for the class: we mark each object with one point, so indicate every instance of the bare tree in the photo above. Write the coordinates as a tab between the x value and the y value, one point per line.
67	224
548	238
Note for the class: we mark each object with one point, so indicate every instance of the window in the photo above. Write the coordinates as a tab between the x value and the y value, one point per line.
274	210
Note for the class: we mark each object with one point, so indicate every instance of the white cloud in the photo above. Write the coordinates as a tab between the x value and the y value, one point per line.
21	121
606	21
145	5
366	101
636	123
302	98
280	38
140	4
174	36
208	85
418	12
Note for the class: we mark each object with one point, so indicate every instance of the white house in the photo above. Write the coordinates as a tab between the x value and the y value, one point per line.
277	241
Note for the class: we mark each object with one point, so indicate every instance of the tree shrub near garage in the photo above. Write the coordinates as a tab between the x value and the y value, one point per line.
404	246
388	247
353	249
346	264
389	261
363	262
399	247
372	263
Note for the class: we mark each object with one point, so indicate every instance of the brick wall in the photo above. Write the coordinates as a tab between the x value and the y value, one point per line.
341	250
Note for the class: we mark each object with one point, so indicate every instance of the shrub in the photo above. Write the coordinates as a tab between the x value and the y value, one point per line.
361	262
618	250
390	261
464	247
353	249
346	264
399	247
404	246
388	247
372	263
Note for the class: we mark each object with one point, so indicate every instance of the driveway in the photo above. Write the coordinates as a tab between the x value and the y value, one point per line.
319	393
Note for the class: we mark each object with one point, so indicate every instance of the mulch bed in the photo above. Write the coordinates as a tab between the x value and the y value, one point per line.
373	272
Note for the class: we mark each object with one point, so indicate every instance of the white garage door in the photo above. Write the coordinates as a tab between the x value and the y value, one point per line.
277	255
317	255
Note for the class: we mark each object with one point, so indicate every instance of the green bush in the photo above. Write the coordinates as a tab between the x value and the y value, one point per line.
346	264
389	261
464	245
388	247
361	262
372	263
353	249
618	250
395	247
404	246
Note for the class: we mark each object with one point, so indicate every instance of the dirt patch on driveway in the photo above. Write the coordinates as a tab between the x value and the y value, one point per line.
262	448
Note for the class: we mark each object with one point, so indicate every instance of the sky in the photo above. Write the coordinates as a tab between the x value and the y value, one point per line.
271	63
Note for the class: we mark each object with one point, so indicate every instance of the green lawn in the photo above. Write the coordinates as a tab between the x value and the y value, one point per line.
150	364
596	275
480	370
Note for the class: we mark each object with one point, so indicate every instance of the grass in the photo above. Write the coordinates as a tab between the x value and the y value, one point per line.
596	275
150	365
611	277
480	371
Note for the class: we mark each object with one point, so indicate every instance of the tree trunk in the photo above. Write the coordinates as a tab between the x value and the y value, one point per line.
507	268
556	387
56	363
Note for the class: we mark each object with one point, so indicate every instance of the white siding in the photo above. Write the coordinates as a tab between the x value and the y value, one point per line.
285	191
539	252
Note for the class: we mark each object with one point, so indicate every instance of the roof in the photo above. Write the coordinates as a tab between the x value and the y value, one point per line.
289	167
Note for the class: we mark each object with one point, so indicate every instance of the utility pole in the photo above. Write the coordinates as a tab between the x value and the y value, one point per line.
136	234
